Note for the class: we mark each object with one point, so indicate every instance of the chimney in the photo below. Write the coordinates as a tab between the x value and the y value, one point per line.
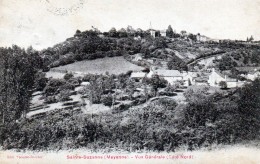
225	77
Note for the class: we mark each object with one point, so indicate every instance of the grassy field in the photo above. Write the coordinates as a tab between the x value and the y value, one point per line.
113	65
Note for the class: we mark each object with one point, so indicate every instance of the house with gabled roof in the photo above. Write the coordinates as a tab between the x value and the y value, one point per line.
250	73
189	78
138	75
170	75
163	33
216	77
152	32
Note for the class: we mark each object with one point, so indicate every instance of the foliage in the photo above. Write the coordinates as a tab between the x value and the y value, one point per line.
112	32
192	37
226	63
64	95
55	86
107	100
171	88
169	31
17	75
249	109
162	125
168	104
50	99
159	42
98	87
223	84
40	81
224	119
176	63
157	82
68	76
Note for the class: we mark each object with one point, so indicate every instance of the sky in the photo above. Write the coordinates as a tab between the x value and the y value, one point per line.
44	23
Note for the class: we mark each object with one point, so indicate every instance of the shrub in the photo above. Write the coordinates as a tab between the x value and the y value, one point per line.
89	77
169	104
157	82
64	95
170	88
50	99
223	85
74	81
107	100
68	76
40	81
67	86
54	86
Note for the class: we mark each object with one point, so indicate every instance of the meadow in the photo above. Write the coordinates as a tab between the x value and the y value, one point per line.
113	65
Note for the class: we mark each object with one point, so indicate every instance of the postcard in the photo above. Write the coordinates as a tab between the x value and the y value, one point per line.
129	81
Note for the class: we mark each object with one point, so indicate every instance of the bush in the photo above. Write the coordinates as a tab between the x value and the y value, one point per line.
50	99
64	95
157	82
89	77
107	100
170	88
74	81
223	85
68	76
54	86
67	86
40	81
169	104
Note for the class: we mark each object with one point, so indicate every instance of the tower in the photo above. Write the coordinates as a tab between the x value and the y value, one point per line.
152	31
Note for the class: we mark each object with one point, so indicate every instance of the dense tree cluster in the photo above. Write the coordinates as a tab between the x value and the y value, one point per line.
18	69
221	118
176	63
88	46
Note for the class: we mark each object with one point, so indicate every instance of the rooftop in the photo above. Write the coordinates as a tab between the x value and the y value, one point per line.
138	74
168	73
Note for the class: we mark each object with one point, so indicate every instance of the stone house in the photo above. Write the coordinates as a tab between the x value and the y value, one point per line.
216	77
170	75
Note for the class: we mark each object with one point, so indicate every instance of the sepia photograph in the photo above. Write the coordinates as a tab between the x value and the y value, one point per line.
130	81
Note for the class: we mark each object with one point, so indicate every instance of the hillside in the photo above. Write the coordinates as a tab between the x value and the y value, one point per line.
88	45
106	107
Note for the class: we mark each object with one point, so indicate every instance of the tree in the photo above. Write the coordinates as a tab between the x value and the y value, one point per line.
78	33
112	32
251	39
130	31
68	76
159	43
183	32
122	33
169	32
107	100
17	73
176	63
40	81
249	109
223	85
158	82
192	37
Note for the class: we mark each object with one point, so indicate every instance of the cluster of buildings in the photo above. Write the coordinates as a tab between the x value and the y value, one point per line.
213	79
200	38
